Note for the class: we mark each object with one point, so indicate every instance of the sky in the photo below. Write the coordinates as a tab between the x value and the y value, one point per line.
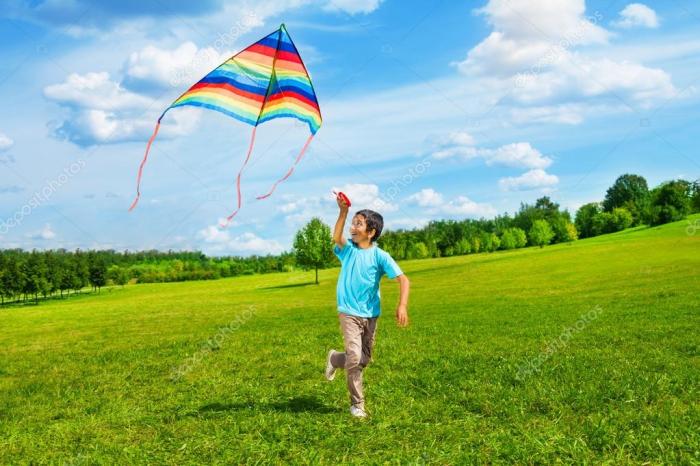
431	110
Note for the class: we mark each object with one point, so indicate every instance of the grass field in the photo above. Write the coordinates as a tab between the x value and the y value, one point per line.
93	380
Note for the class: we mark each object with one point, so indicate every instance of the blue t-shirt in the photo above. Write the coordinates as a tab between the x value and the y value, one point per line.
361	271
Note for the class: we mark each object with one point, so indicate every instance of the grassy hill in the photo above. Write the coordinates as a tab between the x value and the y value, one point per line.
586	351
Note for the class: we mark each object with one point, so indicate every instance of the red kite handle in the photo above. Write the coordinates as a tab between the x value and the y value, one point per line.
342	196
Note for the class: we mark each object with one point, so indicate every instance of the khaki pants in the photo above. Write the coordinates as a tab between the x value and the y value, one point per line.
358	335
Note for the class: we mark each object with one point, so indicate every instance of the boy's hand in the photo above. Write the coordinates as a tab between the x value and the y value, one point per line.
402	316
341	203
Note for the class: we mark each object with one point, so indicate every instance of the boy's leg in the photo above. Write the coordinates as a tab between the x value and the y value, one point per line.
368	338
353	329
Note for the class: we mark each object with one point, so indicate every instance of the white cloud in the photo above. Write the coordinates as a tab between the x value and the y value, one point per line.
637	14
219	241
518	154
426	198
434	203
533	57
95	91
5	142
181	66
462	205
552	19
44	234
532	179
103	111
366	196
353	6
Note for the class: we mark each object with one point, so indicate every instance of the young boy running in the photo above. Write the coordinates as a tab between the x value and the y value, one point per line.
362	266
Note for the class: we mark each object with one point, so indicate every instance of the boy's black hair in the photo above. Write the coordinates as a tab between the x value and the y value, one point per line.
374	221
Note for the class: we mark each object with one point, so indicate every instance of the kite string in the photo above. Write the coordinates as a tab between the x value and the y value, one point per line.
291	169
238	178
143	162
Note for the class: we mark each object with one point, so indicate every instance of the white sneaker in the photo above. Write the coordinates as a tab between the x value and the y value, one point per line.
330	370
357	412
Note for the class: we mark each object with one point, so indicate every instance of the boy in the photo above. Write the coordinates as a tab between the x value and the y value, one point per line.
362	267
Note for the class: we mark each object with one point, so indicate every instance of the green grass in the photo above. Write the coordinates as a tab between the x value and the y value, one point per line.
88	381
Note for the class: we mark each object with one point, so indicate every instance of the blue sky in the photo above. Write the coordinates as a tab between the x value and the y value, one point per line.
432	110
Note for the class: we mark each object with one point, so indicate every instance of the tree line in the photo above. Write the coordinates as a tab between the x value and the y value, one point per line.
29	275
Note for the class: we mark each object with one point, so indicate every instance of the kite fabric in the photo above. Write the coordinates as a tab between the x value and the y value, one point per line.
264	81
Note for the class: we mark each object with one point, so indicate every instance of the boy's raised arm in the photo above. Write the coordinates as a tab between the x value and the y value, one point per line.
338	237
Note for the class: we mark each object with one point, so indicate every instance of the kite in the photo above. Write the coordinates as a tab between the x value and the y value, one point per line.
264	81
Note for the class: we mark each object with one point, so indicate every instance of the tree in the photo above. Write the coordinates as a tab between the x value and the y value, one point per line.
508	239
632	193
313	246
97	273
541	233
464	246
564	230
584	219
118	275
603	223
670	202
695	196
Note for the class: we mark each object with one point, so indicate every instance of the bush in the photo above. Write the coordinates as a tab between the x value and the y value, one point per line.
464	246
541	233
670	202
621	218
513	238
564	231
584	219
418	251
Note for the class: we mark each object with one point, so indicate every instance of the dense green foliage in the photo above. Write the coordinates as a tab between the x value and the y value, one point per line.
628	202
35	274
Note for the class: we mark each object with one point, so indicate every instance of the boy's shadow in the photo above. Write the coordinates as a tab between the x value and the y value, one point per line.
299	404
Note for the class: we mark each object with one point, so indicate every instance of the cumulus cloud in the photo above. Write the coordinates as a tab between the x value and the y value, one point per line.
426	198
637	15
434	203
154	67
96	91
518	154
533	179
5	142
217	241
102	111
44	234
534	55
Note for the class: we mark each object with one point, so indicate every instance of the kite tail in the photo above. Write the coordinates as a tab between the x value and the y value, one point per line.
238	178
143	162
291	169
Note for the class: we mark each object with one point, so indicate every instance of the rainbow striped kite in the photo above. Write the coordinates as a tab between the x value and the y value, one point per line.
264	81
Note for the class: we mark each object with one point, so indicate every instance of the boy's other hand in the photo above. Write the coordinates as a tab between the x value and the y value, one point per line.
402	316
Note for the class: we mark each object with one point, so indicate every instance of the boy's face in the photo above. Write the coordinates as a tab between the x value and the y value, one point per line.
358	230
